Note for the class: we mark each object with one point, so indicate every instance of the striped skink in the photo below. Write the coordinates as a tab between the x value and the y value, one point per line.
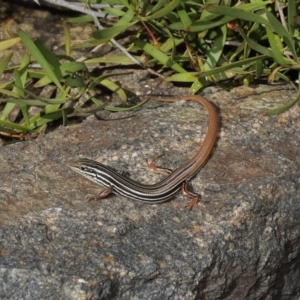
170	186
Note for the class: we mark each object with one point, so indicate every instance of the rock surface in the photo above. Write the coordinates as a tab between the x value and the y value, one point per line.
242	243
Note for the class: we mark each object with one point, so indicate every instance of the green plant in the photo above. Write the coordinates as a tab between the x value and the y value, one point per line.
202	42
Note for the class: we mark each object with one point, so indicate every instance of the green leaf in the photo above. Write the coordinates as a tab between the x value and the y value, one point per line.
23	69
20	81
107	34
9	93
99	79
66	70
122	25
14	126
254	5
283	33
9	106
157	54
9	43
183	77
261	49
50	117
72	67
52	107
292	15
4	62
114	88
281	109
75	81
50	57
171	44
184	17
230	66
126	19
237	12
203	25
34	102
115	59
163	11
37	54
114	11
158	5
19	89
81	19
259	68
126	4
197	85
216	49
276	48
67	38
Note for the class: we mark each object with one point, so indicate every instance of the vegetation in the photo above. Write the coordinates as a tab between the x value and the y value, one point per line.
202	42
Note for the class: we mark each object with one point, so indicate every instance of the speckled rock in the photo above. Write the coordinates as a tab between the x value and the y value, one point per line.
243	242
